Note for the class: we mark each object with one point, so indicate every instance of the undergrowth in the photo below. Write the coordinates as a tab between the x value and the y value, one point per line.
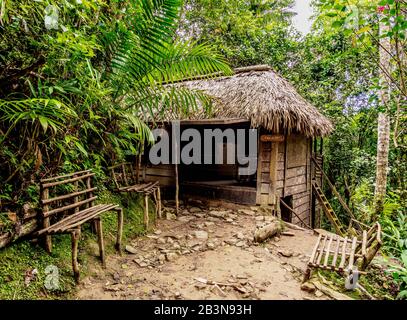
25	255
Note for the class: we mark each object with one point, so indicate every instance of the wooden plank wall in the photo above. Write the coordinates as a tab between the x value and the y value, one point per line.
164	173
267	172
297	180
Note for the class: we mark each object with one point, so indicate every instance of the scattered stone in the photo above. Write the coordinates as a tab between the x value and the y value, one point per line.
200	286
232	241
176	246
116	276
141	263
240	235
260	218
217	214
201	234
161	241
308	287
131	249
171	256
276	239
161	258
195	210
230	220
240	244
157	232
210	245
209	223
185	218
286	253
115	288
247	212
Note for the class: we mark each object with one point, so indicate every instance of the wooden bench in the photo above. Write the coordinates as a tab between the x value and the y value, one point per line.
68	202
343	255
126	179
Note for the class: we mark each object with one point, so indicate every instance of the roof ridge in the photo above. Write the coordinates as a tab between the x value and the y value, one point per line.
259	67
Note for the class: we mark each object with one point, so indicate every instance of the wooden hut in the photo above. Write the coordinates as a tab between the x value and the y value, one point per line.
288	130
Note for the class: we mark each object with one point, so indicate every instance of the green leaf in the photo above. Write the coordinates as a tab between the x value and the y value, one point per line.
43	122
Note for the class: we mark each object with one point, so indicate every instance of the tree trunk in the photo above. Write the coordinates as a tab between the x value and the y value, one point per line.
383	130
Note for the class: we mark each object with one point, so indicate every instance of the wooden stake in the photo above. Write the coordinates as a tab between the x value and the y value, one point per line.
46	222
99	232
176	190
75	235
159	202
146	218
119	230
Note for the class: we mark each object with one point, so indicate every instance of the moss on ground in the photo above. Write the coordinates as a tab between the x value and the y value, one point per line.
24	256
377	283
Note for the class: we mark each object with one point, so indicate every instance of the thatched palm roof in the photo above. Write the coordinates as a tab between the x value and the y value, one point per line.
263	97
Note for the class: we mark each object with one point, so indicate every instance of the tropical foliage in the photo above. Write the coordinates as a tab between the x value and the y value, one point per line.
76	76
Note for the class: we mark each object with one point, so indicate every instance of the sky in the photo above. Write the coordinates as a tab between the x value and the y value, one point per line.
304	12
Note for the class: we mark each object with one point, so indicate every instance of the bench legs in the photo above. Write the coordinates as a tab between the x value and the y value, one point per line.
146	218
119	230
159	203
99	232
75	235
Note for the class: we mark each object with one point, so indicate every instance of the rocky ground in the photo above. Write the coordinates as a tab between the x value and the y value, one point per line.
207	252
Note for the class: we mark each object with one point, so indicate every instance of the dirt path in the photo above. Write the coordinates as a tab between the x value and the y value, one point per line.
204	244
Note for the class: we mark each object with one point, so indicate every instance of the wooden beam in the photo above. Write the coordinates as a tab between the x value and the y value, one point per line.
272	138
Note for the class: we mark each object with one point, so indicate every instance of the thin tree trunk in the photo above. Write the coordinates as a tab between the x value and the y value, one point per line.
383	129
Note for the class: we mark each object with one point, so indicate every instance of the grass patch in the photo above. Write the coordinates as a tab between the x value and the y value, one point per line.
376	282
23	256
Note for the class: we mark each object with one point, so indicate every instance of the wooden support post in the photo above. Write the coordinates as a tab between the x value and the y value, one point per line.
156	207
120	218
307	275
75	235
159	202
99	232
285	165
138	168
46	222
146	218
176	190
368	257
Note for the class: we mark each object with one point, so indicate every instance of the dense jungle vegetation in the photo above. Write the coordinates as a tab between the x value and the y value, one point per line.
76	75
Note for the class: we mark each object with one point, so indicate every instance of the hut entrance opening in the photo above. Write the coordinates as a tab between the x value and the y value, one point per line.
214	178
286	214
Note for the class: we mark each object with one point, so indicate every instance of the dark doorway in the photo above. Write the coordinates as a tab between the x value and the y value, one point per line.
286	214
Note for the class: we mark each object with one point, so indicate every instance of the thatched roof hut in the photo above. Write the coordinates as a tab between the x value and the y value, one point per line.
263	97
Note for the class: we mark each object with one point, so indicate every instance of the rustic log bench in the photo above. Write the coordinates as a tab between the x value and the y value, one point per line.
127	179
68	202
343	255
